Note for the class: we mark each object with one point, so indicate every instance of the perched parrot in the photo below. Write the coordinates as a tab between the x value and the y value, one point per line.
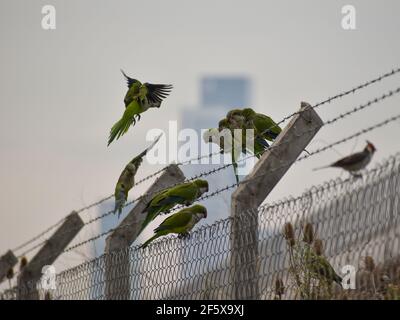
263	125
139	98
127	179
185	193
354	162
226	143
248	119
320	266
180	223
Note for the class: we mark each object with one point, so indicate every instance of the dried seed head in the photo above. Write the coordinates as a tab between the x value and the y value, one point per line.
10	274
318	247
288	232
23	263
308	231
279	287
369	263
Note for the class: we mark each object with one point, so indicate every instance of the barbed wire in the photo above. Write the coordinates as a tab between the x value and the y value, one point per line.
328	100
23	245
341	116
228	187
202	264
306	156
225	166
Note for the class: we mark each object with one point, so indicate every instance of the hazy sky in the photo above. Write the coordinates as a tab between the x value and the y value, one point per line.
61	90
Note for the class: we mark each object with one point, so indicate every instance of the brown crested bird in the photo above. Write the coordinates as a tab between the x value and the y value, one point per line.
354	162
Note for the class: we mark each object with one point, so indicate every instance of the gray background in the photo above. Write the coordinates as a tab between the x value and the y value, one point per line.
61	90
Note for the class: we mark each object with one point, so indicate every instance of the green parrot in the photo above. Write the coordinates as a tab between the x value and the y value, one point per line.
213	135
127	178
264	126
185	193
321	267
180	223
139	98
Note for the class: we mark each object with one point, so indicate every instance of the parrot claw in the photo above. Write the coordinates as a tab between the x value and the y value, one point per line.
185	235
356	175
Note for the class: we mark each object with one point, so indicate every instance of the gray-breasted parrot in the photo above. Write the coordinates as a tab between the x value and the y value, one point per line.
185	193
320	266
264	126
139	98
127	179
180	222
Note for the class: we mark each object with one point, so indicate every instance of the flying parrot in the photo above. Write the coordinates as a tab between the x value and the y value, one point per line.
180	223
320	266
356	161
127	178
139	98
185	193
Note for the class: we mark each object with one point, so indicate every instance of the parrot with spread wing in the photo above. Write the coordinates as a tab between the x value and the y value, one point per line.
127	178
184	193
180	223
139	98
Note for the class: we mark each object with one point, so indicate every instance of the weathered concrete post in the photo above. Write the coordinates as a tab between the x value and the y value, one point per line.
117	272
266	174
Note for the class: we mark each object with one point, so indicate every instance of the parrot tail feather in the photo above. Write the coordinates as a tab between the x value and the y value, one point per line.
338	279
144	245
262	142
119	129
319	168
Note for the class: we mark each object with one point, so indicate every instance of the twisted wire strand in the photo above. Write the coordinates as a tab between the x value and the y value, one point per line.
323	102
228	187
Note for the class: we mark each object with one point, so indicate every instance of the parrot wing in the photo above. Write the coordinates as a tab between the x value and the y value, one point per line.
164	204
177	194
173	224
130	82
266	126
157	92
326	270
128	119
178	220
167	199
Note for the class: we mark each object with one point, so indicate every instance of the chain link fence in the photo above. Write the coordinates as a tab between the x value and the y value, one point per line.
355	221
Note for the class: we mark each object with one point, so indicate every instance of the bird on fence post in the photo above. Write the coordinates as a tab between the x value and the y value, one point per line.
354	162
181	222
184	193
139	98
127	178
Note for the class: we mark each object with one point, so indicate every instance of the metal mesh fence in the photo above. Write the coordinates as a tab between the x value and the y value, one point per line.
355	219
